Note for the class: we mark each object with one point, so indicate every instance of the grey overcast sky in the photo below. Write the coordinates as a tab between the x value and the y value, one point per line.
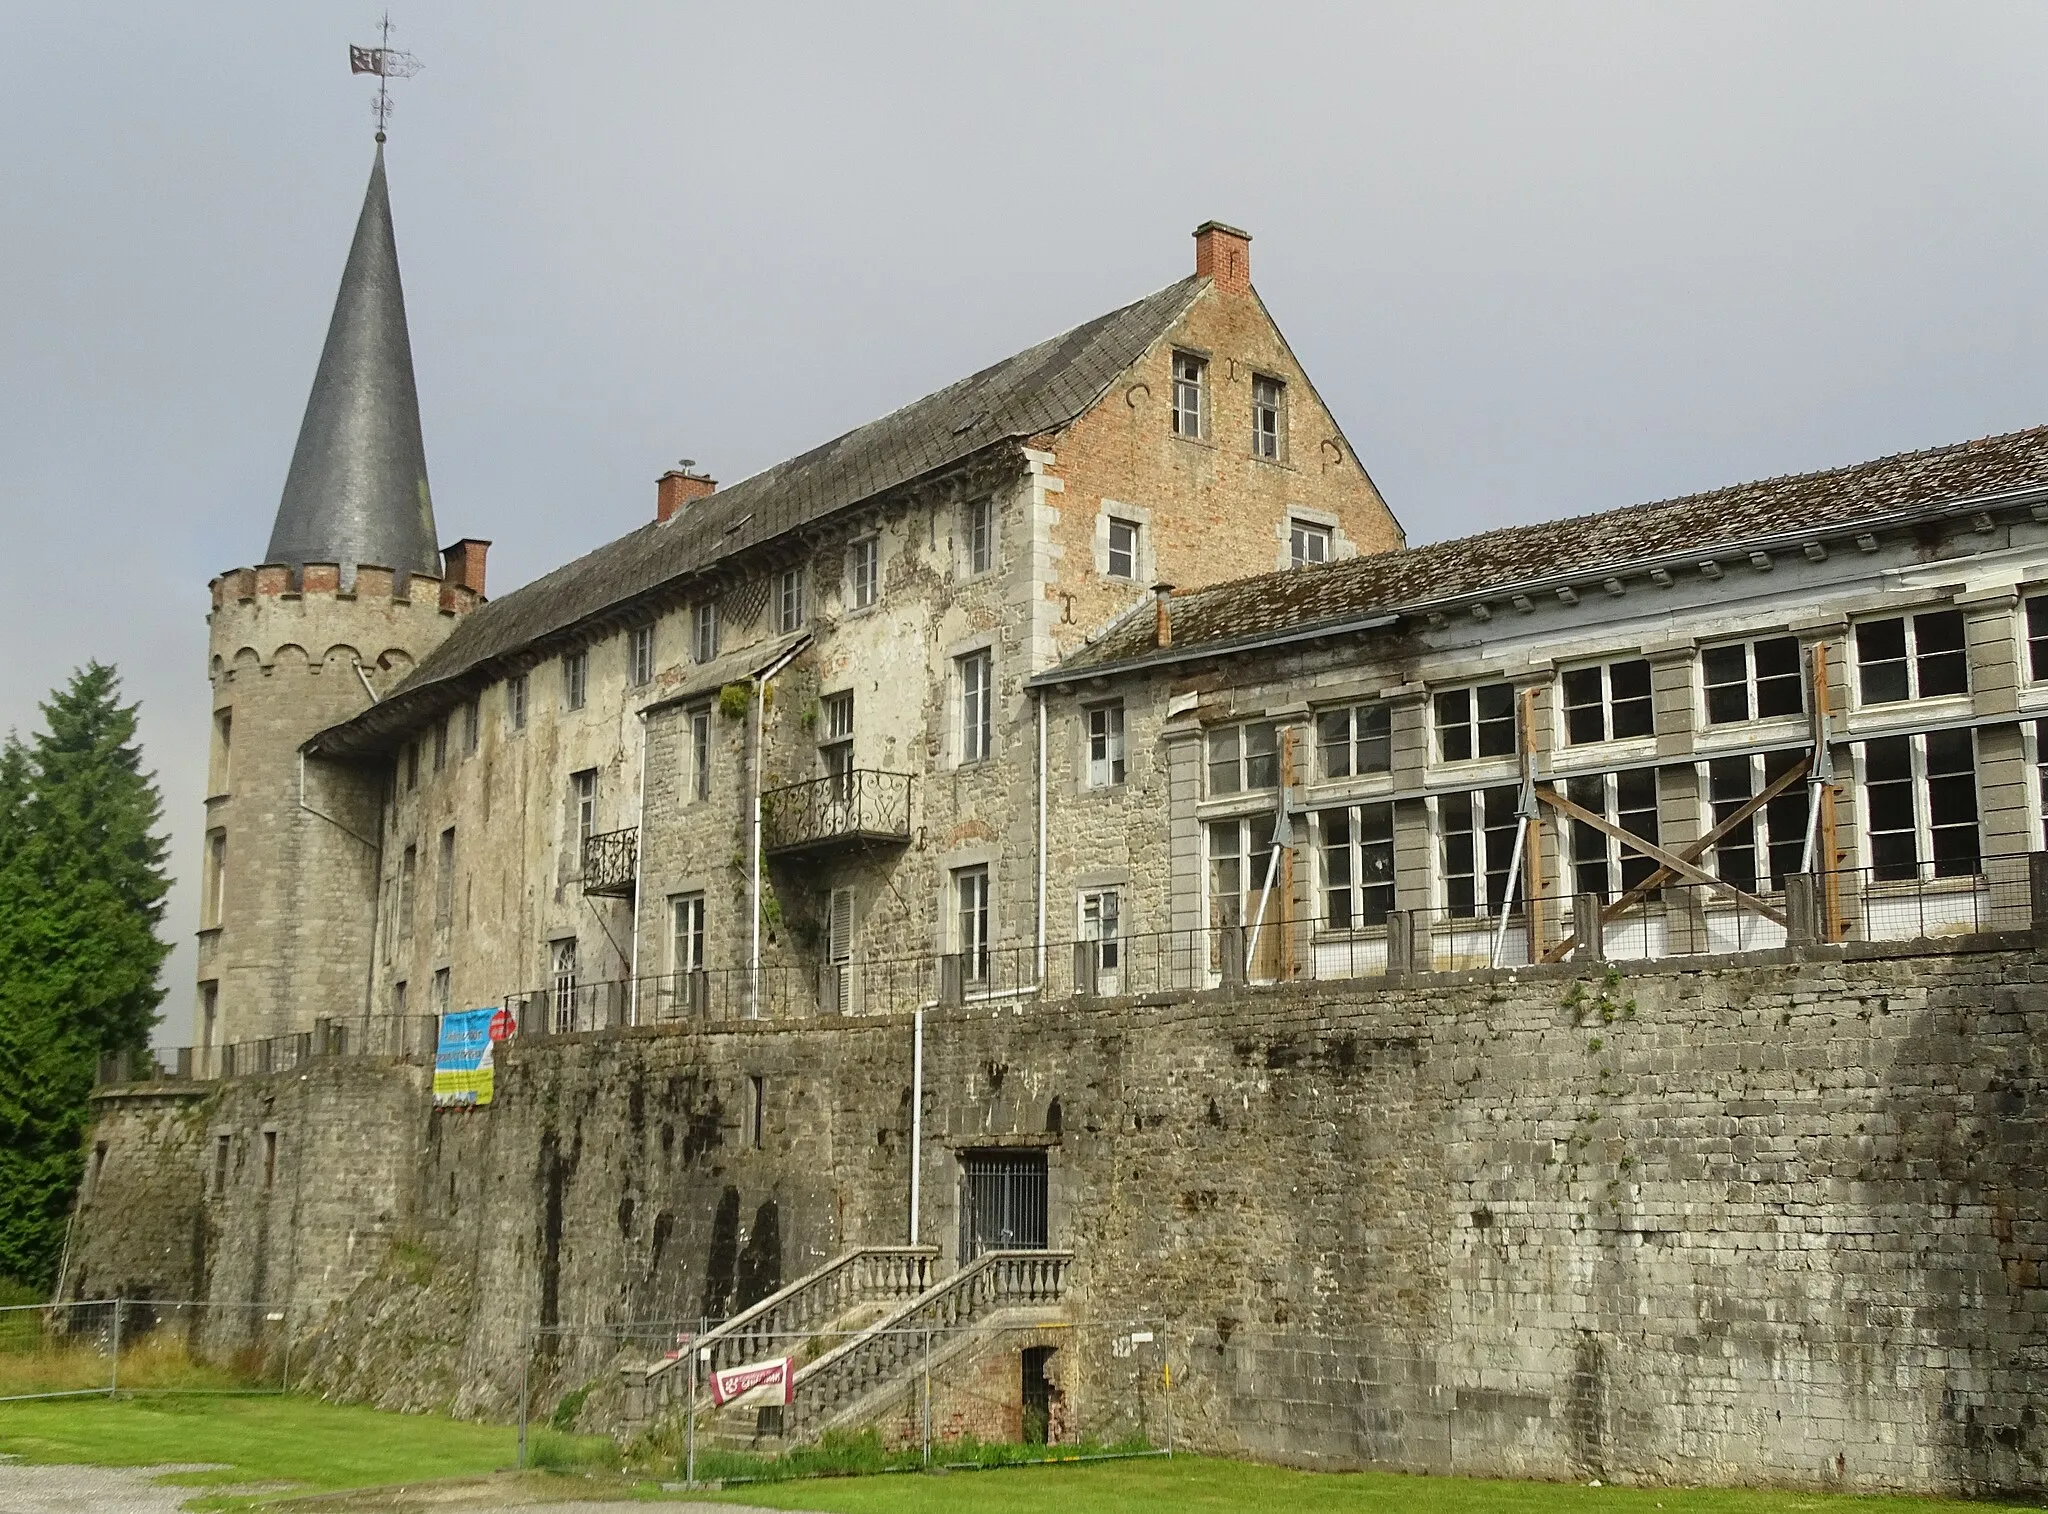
1541	259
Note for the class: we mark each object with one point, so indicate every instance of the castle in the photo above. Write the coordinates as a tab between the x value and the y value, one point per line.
1094	707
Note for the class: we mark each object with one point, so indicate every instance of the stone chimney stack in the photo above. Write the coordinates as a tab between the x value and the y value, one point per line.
1224	253
679	487
1162	615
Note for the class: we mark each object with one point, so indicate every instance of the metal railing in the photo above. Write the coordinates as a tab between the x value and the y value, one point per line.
858	805
410	1038
611	863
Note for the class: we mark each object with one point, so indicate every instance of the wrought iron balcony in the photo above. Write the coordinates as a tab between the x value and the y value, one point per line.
611	863
860	807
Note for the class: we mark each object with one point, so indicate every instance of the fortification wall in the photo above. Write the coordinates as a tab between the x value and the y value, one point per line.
1770	1220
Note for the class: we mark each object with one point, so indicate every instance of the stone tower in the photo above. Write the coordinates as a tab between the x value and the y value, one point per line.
352	593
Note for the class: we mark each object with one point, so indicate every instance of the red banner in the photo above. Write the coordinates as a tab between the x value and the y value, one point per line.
769	1382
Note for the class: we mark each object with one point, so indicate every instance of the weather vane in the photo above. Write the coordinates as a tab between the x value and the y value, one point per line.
387	63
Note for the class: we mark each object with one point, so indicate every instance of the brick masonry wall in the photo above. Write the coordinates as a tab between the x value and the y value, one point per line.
1775	1220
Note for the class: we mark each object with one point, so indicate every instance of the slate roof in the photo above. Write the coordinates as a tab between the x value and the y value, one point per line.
1038	390
1587	547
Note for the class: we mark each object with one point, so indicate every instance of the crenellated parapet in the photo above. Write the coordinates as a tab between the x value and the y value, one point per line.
268	617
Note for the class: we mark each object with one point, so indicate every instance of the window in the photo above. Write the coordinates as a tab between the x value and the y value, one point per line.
575	679
1358	739
839	949
640	656
216	876
412	767
864	572
472	728
222	1147
408	875
1106	745
1912	657
223	746
978	527
1603	865
976	717
1101	912
1477	830
1476	722
2037	644
757	1099
1307	543
444	880
970	928
1269	417
441	990
1358	865
1243	757
440	746
583	805
269	1159
209	1011
837	746
686	933
564	985
1761	852
1241	866
789	600
1123	549
700	754
1190	395
99	1166
515	702
399	997
1608	703
1920	793
704	631
1753	680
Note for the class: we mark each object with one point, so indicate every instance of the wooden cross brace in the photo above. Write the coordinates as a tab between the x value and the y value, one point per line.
1674	864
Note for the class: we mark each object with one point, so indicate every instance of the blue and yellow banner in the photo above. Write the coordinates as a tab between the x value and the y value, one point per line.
462	1061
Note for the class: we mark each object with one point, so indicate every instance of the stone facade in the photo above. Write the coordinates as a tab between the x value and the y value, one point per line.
1768	1219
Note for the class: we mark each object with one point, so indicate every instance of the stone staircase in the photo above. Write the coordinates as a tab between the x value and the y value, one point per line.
881	1321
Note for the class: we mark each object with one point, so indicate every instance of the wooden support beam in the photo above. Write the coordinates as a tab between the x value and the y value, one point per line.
1677	864
1692	853
1532	856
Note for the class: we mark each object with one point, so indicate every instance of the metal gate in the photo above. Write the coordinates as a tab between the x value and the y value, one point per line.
1002	1202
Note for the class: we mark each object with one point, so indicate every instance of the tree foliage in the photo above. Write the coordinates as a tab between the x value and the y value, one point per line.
82	886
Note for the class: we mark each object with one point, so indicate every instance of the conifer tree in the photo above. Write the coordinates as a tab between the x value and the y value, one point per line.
81	892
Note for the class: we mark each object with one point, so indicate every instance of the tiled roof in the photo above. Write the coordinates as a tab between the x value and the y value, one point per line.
1039	389
1584	547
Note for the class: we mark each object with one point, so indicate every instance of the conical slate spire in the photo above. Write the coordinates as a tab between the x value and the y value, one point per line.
357	490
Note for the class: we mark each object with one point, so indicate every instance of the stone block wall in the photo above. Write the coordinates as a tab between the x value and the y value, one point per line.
1773	1219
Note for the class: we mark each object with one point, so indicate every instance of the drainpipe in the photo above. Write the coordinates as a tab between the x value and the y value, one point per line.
916	1113
1041	840
754	854
639	864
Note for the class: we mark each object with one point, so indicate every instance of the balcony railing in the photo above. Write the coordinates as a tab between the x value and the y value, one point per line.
860	807
611	863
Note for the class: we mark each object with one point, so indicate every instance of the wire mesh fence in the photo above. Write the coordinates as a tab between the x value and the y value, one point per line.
107	1347
1020	1384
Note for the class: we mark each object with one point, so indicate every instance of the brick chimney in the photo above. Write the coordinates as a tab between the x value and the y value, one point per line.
677	488
1162	615
1224	253
463	563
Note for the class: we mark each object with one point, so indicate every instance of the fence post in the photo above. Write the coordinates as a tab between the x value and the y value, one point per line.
952	980
2037	895
1166	1356
1232	945
1400	943
285	1382
525	1358
927	1398
690	1432
114	1373
1589	928
1086	963
1802	908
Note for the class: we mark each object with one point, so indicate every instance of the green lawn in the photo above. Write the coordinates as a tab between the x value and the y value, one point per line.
261	1439
1198	1483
